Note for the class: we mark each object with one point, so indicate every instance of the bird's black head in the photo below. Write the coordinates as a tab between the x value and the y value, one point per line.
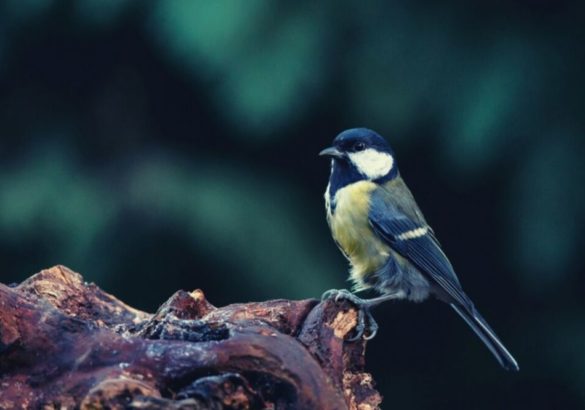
359	154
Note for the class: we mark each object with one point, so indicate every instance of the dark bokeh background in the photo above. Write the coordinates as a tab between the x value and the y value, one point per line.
172	144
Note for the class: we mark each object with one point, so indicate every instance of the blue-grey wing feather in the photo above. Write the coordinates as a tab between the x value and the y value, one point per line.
389	220
393	212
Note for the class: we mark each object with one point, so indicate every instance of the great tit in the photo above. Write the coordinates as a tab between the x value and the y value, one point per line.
378	226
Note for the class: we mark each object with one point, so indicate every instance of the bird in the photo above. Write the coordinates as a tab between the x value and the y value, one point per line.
378	226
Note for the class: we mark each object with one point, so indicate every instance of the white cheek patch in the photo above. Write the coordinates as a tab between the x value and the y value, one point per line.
371	163
328	200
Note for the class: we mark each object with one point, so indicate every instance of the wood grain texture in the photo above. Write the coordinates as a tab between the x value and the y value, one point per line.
65	343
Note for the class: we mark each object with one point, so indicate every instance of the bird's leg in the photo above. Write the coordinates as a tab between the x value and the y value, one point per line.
366	322
384	298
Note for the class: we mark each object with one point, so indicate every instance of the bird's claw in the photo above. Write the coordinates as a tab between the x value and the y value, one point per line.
366	324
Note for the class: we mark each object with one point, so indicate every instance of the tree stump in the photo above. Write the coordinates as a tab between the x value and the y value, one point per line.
65	343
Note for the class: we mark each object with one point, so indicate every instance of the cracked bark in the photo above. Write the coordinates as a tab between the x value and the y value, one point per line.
65	343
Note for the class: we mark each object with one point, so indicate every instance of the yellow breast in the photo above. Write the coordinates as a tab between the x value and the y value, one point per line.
351	230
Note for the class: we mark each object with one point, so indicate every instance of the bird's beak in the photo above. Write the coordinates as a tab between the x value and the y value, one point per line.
331	152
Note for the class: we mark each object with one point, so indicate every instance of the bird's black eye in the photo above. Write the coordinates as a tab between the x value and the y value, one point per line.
359	146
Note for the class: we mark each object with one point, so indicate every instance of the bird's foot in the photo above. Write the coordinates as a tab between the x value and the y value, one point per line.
366	325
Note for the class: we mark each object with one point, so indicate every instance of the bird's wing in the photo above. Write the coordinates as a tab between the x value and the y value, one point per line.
413	239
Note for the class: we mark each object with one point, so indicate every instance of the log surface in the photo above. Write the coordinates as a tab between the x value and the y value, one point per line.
65	343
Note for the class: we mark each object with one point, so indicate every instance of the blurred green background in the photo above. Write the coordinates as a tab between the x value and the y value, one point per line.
161	145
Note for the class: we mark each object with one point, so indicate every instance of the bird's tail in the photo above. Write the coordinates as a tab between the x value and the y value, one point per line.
487	335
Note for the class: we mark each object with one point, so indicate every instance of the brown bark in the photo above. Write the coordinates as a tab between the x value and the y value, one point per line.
68	344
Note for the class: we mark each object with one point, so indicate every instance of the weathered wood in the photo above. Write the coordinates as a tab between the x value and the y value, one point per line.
65	343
